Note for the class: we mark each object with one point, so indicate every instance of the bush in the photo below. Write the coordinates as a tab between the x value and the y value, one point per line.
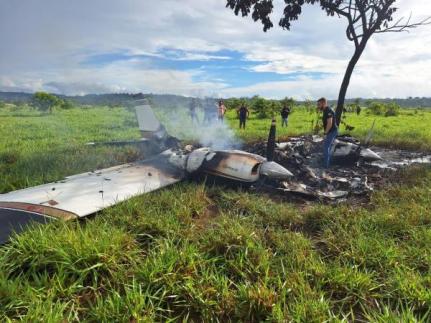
45	102
66	105
260	107
392	110
384	109
265	108
376	108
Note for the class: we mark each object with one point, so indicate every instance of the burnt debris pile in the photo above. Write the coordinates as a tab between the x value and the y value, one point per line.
356	171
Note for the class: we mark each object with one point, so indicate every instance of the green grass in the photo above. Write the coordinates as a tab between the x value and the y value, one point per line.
409	130
37	148
201	253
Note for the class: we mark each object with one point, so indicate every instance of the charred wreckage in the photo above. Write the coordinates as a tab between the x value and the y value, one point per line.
292	167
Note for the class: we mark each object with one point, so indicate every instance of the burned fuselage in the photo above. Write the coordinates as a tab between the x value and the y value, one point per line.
347	150
234	165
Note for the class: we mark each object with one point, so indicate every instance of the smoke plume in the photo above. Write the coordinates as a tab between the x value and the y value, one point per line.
202	126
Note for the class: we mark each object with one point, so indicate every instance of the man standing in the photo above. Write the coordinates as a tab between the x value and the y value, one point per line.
221	110
284	115
243	114
330	128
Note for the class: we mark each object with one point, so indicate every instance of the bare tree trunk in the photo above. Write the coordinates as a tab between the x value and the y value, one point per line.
346	80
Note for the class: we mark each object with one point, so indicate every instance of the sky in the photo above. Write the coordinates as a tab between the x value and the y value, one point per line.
200	48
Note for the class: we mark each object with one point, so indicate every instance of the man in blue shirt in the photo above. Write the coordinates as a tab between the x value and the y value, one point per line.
330	129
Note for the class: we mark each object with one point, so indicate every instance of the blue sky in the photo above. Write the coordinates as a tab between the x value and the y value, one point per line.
230	67
199	48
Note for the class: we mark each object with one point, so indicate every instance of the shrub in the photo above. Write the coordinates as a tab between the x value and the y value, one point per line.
384	109
260	107
66	105
266	108
45	102
392	110
376	108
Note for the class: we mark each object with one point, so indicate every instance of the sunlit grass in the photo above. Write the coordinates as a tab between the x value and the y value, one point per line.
206	253
409	130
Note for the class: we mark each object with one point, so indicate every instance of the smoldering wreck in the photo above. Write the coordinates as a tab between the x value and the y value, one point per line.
290	169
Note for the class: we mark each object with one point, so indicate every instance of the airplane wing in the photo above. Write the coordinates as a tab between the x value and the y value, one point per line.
84	194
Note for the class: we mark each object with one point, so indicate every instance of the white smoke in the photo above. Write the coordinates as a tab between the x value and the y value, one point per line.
217	135
205	129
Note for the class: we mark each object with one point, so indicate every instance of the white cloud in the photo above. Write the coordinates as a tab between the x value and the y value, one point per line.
44	42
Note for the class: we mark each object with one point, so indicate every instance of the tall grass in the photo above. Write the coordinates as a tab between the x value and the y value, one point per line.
196	252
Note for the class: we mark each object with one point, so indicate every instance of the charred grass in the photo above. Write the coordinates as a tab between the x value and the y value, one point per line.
208	253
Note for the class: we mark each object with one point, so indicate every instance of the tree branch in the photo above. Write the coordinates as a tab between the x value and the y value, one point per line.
398	27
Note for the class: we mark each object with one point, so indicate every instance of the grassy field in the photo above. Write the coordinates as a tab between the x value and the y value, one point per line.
409	130
192	252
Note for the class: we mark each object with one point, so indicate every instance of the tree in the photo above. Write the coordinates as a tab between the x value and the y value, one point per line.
66	104
261	107
234	103
44	101
364	19
289	102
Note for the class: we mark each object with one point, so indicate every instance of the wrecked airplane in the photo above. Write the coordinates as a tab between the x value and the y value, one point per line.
81	195
357	169
291	169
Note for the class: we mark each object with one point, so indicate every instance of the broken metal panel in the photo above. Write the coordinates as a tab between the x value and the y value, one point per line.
345	152
15	221
142	141
197	157
356	170
333	194
40	209
369	155
393	159
87	193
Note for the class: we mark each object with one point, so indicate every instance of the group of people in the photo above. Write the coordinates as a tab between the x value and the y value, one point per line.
243	114
329	121
209	112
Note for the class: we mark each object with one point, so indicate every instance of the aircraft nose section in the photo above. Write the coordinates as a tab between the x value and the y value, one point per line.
370	155
274	171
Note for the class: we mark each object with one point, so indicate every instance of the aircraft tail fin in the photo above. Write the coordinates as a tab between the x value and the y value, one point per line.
149	124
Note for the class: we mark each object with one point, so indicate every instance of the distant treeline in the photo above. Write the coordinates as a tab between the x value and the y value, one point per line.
166	100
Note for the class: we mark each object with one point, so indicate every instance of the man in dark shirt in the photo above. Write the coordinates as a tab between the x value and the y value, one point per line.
330	129
243	114
284	115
